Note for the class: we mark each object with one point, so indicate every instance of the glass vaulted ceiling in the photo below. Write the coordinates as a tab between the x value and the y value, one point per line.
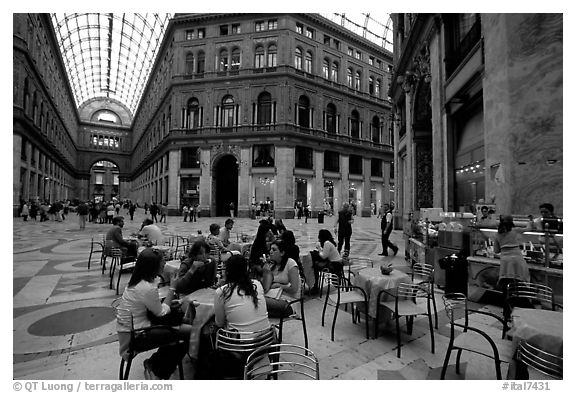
109	55
374	26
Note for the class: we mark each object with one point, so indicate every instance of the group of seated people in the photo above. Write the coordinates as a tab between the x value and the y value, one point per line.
251	289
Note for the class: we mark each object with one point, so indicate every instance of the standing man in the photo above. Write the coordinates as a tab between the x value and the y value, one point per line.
163	212
131	210
386	228
82	214
231	207
154	211
343	228
185	212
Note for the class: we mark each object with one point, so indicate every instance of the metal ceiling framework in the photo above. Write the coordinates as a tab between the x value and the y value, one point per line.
109	55
376	28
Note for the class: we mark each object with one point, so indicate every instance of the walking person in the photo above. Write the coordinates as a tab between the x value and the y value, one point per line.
33	211
154	212
194	212
343	228
306	213
185	212
82	214
131	210
25	212
163	212
386	228
231	208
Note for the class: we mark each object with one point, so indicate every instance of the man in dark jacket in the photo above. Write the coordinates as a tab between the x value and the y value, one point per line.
154	211
343	228
386	228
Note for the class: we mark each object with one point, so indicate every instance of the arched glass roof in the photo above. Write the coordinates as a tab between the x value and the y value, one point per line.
109	55
374	26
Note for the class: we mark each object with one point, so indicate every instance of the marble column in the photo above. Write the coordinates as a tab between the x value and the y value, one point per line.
205	184
284	202
345	184
364	210
244	183
317	202
173	182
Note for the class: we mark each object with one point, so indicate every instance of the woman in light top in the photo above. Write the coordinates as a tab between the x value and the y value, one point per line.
326	255
239	304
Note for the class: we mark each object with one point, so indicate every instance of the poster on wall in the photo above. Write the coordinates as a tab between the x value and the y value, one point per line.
486	215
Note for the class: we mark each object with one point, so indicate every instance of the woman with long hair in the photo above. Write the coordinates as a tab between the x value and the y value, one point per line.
513	267
260	248
196	270
326	255
141	298
292	250
281	280
239	303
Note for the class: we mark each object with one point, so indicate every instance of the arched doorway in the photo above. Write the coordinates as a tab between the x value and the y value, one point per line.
226	185
104	184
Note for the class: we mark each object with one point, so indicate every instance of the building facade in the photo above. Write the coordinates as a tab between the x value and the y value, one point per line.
249	109
478	111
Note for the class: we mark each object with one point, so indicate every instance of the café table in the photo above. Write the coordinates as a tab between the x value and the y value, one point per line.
373	281
239	246
204	301
541	328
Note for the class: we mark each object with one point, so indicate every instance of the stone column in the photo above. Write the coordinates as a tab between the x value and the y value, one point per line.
385	184
284	198
205	184
365	208
173	182
345	184
244	183
317	203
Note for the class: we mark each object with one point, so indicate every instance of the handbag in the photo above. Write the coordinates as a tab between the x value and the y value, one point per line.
173	318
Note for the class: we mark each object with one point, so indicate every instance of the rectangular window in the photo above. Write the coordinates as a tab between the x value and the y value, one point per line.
355	164
116	180
376	167
304	157
371	60
379	64
309	32
272	24
201	33
259	26
224	30
99	178
337	44
299	28
263	156
190	158
331	161
350	51
358	55
189	34
326	40
236	28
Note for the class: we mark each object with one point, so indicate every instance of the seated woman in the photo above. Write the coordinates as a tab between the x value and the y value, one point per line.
326	255
260	249
138	300
281	280
196	271
215	243
292	250
239	304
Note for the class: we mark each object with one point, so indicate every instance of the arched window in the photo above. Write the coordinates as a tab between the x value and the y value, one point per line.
227	111
223	60
235	58
355	124
331	118
349	77
325	69
371	85
377	91
200	62
308	63
304	112
259	58
272	56
264	109
298	59
357	81
334	72
189	68
375	125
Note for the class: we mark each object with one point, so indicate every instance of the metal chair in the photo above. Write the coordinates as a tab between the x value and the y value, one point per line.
123	263
94	244
473	339
301	317
536	359
355	264
423	273
343	293
532	295
242	344
136	346
288	361
407	303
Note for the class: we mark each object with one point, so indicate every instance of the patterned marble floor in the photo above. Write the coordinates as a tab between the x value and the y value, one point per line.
64	328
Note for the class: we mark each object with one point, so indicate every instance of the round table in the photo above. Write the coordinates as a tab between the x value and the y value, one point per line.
373	281
541	328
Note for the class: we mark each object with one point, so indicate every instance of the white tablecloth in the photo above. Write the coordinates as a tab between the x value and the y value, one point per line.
373	281
541	328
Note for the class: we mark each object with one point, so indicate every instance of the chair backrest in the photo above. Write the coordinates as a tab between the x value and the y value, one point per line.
244	342
423	271
540	360
116	253
289	360
456	306
409	291
534	292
